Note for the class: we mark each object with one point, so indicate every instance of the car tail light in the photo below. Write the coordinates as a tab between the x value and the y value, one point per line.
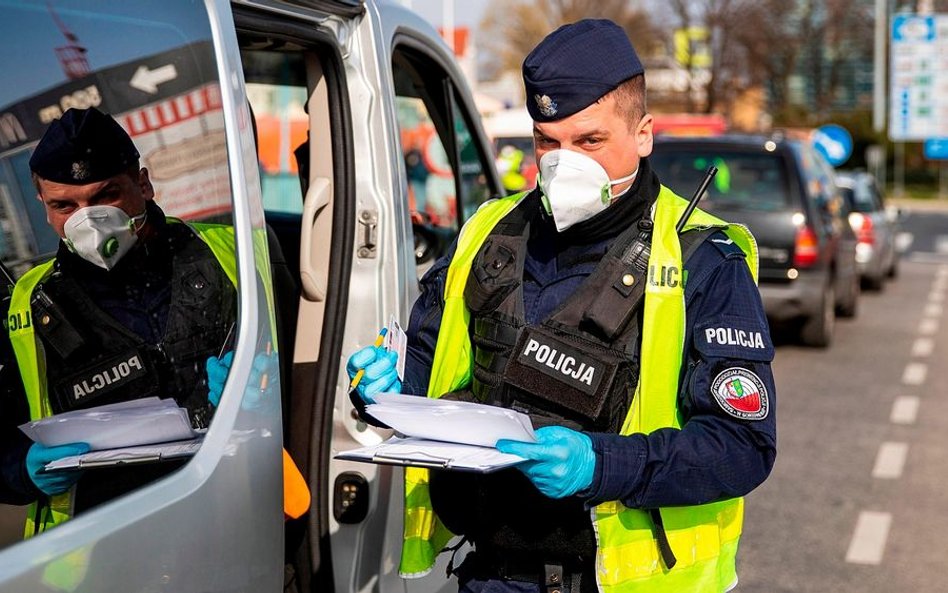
806	251
862	225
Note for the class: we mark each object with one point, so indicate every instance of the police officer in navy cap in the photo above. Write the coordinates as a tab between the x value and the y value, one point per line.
133	305
641	354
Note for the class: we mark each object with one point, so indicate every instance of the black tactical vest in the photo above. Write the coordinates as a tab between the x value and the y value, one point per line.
577	368
92	359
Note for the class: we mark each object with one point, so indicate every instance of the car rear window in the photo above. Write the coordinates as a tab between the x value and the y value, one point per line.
756	181
859	197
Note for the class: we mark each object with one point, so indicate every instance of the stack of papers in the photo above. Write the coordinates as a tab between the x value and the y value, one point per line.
444	434
140	430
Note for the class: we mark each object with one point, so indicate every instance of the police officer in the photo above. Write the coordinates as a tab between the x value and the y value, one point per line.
642	356
133	305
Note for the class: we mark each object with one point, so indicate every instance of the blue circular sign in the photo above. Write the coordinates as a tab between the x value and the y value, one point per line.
834	142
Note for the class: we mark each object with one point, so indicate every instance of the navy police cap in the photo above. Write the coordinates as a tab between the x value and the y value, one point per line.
576	65
83	146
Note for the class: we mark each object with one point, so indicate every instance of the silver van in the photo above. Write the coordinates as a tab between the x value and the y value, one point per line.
298	122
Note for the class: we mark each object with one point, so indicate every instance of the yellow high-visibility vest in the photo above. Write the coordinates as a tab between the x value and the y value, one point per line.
704	538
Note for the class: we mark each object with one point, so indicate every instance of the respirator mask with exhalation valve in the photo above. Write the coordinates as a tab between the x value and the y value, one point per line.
102	234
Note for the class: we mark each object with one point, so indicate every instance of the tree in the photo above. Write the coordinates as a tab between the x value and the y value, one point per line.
514	27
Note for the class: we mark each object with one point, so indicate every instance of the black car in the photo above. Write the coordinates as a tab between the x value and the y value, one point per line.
786	194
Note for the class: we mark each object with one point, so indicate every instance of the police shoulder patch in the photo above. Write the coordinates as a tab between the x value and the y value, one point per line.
741	394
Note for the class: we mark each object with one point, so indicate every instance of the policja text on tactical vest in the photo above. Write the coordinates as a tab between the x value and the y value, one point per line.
559	361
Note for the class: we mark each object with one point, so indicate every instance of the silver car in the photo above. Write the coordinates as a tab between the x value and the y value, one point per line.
875	225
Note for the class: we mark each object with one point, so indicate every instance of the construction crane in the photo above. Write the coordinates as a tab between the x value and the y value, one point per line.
72	56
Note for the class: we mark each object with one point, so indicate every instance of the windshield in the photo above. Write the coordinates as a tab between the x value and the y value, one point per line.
747	180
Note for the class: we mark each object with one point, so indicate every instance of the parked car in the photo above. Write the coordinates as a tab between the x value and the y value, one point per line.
785	192
875	225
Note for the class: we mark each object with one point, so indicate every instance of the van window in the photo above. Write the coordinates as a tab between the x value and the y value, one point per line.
151	65
446	172
278	99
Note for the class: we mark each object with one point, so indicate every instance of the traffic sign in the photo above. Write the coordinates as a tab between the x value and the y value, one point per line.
918	105
834	142
936	148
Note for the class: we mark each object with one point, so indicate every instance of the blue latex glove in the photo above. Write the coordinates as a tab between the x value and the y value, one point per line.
561	462
55	482
380	372
264	379
217	369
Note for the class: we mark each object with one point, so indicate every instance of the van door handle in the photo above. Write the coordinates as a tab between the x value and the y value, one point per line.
312	276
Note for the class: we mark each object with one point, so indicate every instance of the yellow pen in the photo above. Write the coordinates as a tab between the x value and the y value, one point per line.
358	376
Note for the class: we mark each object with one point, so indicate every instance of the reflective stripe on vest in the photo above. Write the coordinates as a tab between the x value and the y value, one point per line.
704	538
219	238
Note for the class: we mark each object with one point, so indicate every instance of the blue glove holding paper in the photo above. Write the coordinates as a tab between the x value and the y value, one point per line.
54	482
561	463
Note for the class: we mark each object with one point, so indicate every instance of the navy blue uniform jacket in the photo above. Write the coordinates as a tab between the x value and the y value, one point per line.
716	454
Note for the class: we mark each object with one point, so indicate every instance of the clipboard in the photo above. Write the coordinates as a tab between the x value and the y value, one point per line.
126	456
418	452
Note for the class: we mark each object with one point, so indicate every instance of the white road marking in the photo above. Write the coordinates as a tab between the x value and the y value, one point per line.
904	410
890	460
934	310
928	326
936	297
903	241
868	543
941	244
914	373
926	257
922	347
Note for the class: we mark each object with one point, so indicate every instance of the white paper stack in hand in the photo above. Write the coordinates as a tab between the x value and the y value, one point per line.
138	422
443	434
451	421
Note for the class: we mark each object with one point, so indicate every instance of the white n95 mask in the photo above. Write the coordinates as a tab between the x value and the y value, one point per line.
575	187
102	234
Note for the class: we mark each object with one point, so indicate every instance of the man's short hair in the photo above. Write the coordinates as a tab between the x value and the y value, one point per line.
630	99
83	146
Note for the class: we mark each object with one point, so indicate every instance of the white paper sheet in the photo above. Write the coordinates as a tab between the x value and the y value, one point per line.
126	424
451	421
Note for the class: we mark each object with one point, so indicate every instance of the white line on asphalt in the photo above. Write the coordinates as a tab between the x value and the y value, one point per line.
914	373
926	257
934	310
890	460
903	241
928	326
923	347
941	243
868	542
904	410
936	297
